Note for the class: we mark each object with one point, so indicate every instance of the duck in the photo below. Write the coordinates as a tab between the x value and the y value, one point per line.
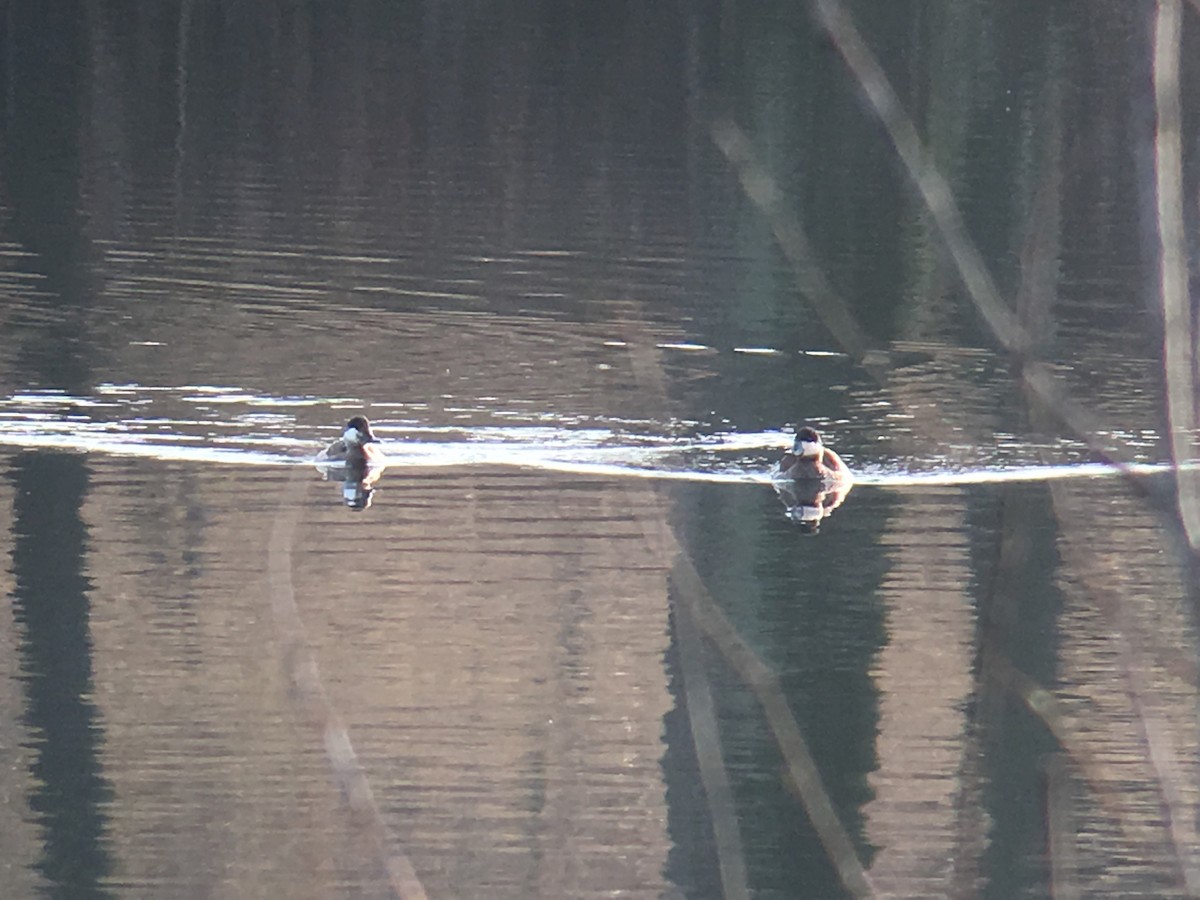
357	448
810	459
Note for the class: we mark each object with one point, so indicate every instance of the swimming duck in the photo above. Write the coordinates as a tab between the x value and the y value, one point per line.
357	448
809	458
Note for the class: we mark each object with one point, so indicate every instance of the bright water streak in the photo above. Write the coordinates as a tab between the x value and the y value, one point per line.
231	427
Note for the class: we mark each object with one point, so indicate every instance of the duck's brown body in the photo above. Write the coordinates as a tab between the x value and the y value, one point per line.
810	459
826	465
357	448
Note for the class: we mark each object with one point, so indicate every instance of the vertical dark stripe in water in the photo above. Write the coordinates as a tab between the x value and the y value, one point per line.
692	858
44	73
52	606
43	81
1019	618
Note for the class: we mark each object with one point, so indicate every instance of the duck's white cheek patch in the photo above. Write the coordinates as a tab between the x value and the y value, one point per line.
350	436
810	448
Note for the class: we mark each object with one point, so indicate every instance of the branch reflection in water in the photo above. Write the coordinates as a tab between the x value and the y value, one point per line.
1128	701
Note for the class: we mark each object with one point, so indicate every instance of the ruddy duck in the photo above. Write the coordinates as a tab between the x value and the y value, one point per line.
809	458
357	448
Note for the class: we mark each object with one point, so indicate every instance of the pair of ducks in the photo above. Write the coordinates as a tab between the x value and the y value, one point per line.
809	458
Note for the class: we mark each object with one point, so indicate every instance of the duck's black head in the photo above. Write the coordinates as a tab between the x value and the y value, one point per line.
807	443
358	431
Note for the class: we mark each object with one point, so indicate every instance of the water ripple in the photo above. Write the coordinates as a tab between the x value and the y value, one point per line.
233	426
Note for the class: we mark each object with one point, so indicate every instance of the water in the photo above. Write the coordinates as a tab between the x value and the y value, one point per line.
204	423
575	647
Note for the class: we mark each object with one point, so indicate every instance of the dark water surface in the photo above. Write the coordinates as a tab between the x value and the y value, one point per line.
575	647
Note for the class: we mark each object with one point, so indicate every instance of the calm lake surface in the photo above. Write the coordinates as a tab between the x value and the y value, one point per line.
576	647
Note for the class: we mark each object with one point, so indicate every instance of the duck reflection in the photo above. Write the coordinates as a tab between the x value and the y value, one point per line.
356	460
810	500
811	481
